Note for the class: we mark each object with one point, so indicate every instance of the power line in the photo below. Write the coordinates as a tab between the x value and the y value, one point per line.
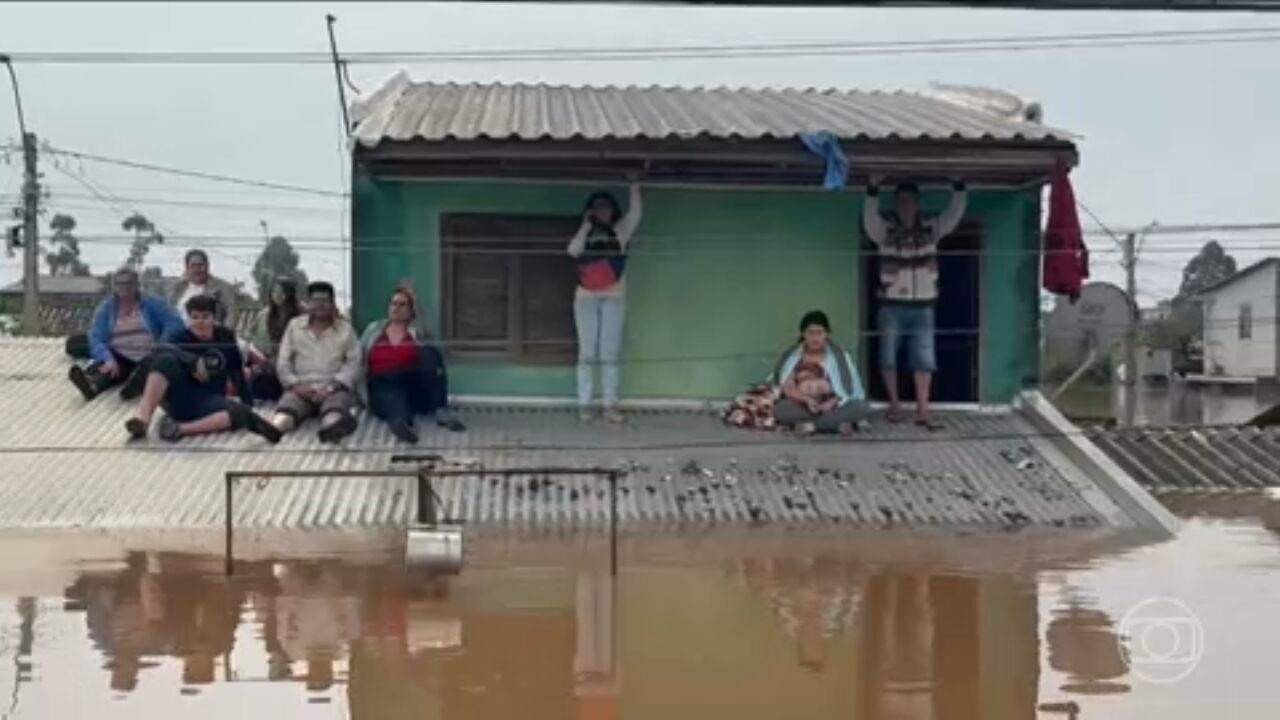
209	204
615	53
119	205
213	177
694	245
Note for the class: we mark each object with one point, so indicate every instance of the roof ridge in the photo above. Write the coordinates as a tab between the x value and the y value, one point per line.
536	110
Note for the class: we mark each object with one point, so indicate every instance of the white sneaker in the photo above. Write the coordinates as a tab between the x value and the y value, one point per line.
614	415
586	416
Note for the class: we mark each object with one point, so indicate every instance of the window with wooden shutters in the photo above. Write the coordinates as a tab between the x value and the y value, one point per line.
508	286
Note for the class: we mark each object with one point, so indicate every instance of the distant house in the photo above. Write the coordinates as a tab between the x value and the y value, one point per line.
67	302
1242	323
55	290
1156	313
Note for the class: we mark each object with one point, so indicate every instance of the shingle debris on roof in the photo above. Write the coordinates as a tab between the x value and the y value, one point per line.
405	111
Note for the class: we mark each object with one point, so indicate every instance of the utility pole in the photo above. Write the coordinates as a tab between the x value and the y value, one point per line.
30	216
1130	380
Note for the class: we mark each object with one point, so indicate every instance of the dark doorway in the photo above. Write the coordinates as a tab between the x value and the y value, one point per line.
957	316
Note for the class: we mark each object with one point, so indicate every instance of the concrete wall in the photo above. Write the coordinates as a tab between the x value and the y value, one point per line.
716	283
1254	357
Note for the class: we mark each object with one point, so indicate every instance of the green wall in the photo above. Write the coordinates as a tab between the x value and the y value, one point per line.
715	286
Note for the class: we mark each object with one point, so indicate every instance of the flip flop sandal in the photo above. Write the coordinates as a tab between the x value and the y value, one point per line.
930	424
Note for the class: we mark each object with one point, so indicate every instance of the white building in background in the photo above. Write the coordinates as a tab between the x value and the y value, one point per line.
1242	323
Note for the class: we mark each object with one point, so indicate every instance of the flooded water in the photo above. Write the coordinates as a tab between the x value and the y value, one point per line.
1182	403
539	629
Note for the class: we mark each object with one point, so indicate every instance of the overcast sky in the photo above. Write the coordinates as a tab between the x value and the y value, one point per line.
1179	134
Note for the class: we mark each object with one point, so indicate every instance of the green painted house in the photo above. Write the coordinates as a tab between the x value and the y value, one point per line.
472	191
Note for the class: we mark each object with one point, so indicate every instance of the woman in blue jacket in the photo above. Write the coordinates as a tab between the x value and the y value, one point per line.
126	327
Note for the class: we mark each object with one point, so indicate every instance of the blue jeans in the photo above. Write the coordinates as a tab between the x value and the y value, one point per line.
901	323
599	321
401	395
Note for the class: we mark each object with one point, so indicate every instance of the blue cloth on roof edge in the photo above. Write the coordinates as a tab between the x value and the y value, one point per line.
825	145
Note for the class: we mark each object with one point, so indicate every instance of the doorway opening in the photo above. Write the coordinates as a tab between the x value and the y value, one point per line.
957	320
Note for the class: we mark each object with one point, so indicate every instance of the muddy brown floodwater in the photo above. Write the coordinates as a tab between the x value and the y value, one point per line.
538	629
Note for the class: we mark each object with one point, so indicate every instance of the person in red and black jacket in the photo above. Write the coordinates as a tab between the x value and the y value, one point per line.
404	374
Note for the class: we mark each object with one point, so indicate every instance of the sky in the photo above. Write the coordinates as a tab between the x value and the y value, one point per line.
1181	135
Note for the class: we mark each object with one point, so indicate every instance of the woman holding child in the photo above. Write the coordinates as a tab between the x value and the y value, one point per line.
819	385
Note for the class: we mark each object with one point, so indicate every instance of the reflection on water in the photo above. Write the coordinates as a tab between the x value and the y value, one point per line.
825	635
1182	403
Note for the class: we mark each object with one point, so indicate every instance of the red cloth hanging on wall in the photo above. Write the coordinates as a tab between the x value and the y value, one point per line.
1066	259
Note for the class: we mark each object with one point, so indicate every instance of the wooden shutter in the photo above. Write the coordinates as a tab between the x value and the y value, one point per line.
509	286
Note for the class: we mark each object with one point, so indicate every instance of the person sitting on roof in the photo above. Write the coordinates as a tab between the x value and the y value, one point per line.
126	326
404	374
319	366
196	280
264	339
188	377
821	390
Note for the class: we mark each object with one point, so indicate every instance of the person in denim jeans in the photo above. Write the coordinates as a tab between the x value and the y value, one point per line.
404	373
908	246
599	308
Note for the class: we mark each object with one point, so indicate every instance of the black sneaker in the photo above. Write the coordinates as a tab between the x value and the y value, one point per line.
402	430
168	429
345	425
133	385
81	380
136	427
446	419
259	426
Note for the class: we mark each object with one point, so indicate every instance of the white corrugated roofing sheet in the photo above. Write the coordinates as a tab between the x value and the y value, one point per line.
65	463
405	111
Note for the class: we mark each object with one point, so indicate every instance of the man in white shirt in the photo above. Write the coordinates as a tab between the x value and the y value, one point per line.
319	365
196	280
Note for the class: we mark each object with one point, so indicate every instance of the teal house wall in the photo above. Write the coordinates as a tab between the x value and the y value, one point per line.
716	282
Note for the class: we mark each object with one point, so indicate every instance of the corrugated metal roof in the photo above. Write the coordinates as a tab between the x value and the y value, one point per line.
63	285
65	463
69	318
1165	459
406	111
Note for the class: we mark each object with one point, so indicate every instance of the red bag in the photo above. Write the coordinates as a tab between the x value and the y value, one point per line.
598	275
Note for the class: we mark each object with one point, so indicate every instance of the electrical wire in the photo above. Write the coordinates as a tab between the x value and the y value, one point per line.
197	174
1105	230
123	208
771	354
742	440
645	53
203	204
678	246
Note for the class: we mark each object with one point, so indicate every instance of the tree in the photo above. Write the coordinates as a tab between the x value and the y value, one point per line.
1209	267
277	261
66	259
1185	321
144	236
